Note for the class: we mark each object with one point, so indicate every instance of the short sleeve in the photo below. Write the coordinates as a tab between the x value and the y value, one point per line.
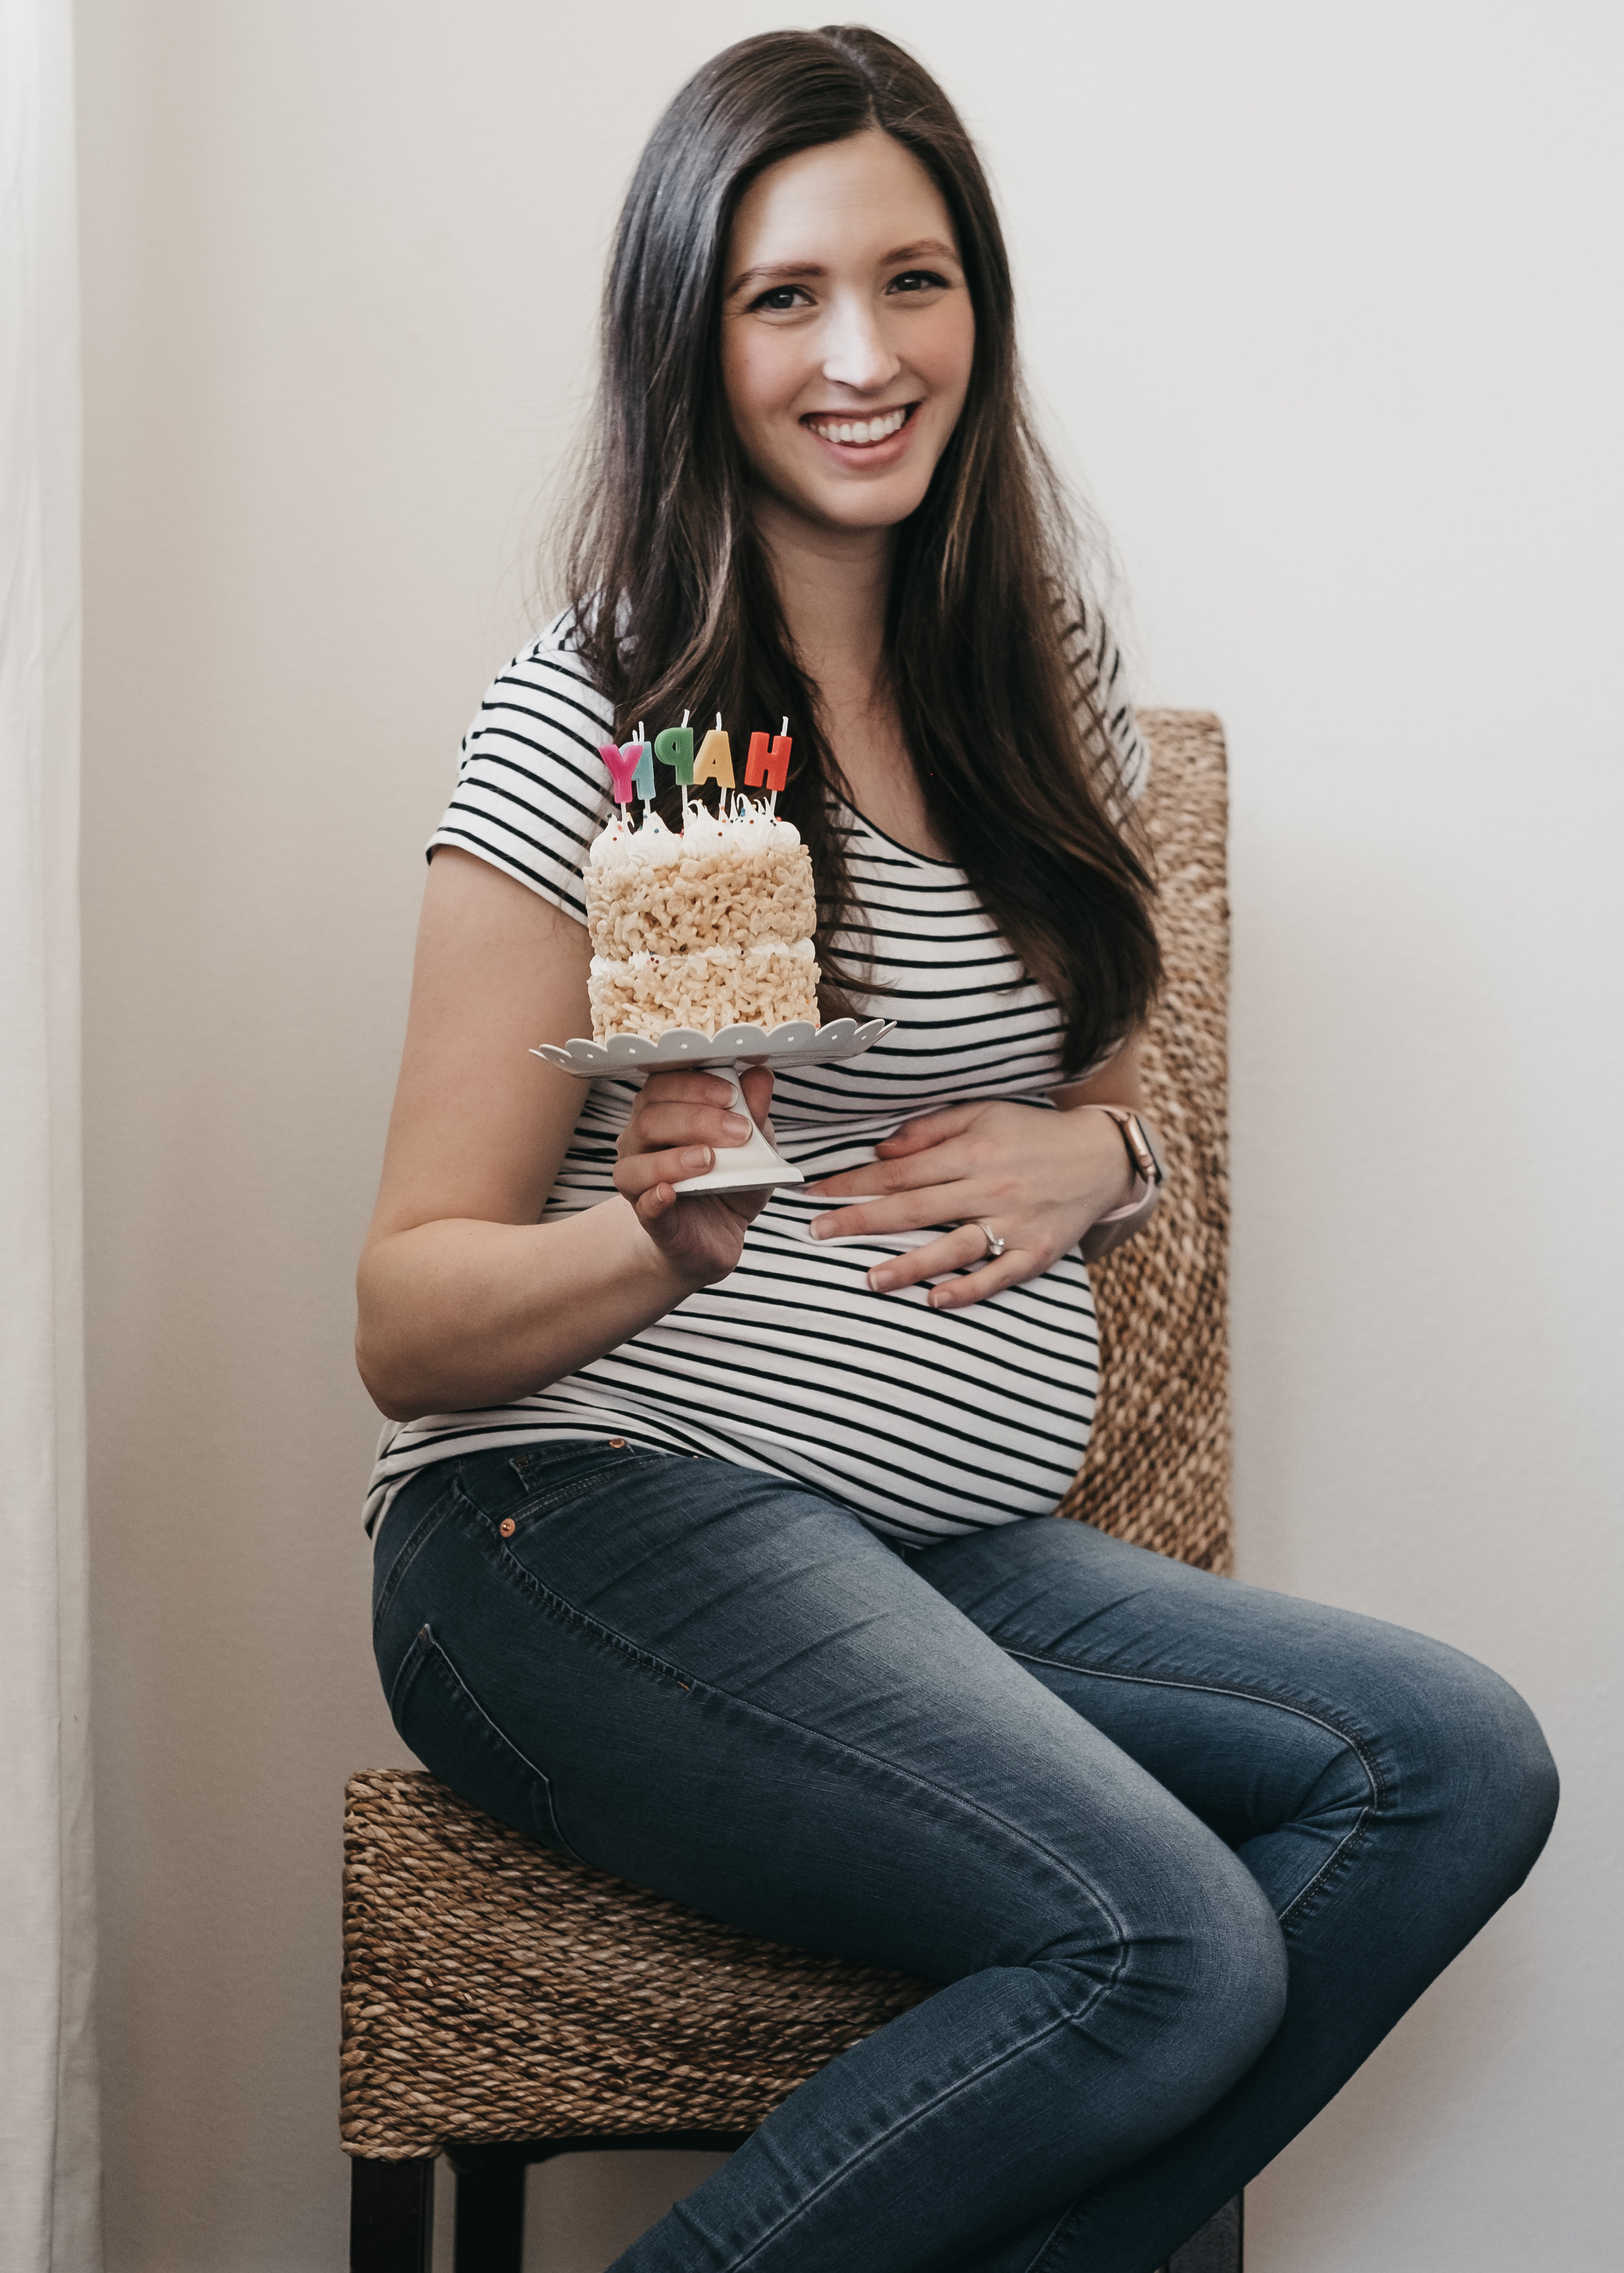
532	791
1115	742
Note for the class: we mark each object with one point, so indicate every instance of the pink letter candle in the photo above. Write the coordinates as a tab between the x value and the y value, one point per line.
625	764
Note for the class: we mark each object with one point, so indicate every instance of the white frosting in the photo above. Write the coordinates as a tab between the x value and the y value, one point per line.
760	951
748	828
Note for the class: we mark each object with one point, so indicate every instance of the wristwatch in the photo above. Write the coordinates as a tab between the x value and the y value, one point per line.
1140	1151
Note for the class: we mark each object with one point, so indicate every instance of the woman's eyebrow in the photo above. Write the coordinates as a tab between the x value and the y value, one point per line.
780	269
781	272
917	250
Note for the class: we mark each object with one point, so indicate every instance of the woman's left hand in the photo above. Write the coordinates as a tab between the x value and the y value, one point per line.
1040	1179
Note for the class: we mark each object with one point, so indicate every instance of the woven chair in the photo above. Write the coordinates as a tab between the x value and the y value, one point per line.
502	2006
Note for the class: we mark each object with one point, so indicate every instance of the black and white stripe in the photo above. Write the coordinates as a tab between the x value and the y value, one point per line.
927	1423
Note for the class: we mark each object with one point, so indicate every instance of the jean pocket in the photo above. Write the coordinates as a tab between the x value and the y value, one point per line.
439	1715
398	1542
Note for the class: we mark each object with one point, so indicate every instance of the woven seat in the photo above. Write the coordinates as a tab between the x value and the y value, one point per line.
502	2003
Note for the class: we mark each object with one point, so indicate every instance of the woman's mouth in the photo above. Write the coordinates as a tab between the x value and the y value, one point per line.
859	433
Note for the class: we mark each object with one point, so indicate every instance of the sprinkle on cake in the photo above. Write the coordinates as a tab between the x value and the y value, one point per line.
704	928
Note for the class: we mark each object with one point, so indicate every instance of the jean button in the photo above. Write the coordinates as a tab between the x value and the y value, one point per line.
616	1444
507	1527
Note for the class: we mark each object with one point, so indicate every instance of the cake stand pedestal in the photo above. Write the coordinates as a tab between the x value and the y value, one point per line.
755	1164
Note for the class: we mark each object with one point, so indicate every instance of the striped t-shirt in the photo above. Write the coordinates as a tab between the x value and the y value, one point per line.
927	1423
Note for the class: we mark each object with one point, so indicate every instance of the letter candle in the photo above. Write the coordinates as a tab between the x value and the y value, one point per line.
675	748
765	768
715	761
643	779
624	765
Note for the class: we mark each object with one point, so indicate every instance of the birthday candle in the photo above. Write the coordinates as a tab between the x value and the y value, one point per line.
675	748
715	761
625	764
767	768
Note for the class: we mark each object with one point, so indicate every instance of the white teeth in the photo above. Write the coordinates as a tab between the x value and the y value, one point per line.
861	430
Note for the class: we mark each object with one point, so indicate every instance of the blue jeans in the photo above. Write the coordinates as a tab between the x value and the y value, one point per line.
1180	1852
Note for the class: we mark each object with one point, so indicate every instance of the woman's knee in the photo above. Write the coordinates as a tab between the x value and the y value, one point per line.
1466	1752
1195	1979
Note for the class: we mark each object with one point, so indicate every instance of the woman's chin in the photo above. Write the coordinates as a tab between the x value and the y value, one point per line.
859	507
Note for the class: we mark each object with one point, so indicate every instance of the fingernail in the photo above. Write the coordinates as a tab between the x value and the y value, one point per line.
694	1162
822	1225
735	1124
939	1299
879	1284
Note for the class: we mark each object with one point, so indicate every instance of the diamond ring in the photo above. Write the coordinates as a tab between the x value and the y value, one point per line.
995	1245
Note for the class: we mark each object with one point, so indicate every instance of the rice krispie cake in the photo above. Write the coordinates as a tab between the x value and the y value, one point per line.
707	928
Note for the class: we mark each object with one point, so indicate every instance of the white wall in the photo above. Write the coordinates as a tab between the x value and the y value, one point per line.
1326	300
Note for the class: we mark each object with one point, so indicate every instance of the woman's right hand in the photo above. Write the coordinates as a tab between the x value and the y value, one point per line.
680	1126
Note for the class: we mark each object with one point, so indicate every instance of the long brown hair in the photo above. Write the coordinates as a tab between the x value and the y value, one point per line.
684	615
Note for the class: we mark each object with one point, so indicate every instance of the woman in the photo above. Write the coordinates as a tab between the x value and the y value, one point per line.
714	1536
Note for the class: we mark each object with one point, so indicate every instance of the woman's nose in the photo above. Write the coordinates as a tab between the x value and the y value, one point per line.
856	352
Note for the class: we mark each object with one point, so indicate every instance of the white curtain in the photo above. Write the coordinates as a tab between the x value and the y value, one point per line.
50	2170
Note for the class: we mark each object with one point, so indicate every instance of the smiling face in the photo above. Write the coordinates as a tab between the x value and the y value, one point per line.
847	332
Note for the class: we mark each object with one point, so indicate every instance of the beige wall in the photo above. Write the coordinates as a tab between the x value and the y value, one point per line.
1322	300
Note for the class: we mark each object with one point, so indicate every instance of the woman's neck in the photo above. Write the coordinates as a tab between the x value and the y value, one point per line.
832	585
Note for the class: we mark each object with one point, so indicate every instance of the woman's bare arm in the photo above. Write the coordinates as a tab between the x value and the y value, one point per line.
1120	1081
465	1299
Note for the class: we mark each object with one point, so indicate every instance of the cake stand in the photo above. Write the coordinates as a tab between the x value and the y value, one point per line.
755	1164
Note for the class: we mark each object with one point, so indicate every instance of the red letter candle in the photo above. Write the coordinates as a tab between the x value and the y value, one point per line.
766	768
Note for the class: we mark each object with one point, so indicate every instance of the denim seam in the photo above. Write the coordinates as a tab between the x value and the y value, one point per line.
547	1502
1372	1774
517	1574
915	2115
556	1604
431	1517
411	1662
1049	2239
497	1730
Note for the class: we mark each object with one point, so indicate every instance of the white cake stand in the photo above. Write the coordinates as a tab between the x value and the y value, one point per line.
755	1164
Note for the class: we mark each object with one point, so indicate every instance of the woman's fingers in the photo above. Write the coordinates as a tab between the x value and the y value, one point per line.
641	1173
929	1129
1014	1265
915	1211
928	1170
758	1087
955	1251
662	1127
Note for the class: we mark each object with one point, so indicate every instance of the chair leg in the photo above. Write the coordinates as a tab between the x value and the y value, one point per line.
490	2219
1217	2247
391	2215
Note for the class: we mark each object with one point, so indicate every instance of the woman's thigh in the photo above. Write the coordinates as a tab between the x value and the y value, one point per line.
1302	1734
729	1690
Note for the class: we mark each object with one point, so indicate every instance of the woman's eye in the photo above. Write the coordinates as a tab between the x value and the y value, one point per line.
917	280
782	297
